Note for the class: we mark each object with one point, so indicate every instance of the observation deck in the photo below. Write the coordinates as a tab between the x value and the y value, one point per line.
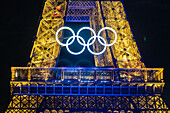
87	81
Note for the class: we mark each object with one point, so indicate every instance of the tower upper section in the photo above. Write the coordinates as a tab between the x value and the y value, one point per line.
123	54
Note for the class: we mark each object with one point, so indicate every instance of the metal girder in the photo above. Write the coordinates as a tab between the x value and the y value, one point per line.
34	103
96	22
46	49
125	49
87	73
79	11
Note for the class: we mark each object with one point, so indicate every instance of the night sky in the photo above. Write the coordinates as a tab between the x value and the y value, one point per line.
19	20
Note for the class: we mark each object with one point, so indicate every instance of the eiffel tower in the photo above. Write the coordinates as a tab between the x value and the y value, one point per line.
118	83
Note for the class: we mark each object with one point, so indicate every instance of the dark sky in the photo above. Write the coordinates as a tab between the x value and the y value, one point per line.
19	20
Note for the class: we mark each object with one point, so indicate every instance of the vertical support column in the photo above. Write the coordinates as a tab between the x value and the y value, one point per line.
37	89
120	89
29	74
54	90
13	74
137	89
29	88
87	92
112	75
79	89
145	76
66	11
95	76
104	19
62	75
79	72
162	88
45	88
153	88
62	89
145	89
46	76
103	89
129	77
115	17
129	89
20	88
162	76
52	19
70	90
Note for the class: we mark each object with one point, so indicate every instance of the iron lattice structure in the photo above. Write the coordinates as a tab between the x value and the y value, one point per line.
119	82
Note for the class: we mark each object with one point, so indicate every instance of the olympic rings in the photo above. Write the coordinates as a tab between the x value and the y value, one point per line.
61	28
83	39
112	31
88	47
83	43
67	44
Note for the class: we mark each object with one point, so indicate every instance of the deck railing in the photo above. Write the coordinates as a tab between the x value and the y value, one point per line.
87	74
